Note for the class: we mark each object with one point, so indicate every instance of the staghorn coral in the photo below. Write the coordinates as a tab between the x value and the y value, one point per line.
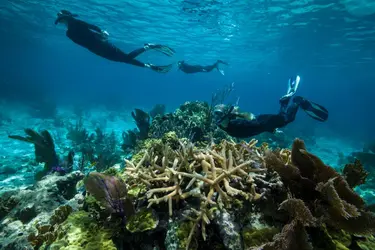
216	176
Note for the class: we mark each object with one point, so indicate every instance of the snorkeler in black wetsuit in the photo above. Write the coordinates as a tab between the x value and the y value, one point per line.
198	68
95	39
238	126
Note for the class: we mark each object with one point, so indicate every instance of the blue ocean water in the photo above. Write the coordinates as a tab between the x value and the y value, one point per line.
330	44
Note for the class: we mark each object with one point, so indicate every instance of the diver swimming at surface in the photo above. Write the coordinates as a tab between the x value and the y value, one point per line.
96	40
189	69
243	126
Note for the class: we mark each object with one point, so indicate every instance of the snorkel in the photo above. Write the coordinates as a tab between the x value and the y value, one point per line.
63	15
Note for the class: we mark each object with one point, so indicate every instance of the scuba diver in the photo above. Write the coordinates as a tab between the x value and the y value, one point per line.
96	40
245	125
183	66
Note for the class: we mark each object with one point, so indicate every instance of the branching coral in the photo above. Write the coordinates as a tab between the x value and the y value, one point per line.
215	176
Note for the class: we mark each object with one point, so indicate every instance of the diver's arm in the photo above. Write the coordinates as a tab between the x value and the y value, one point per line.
92	27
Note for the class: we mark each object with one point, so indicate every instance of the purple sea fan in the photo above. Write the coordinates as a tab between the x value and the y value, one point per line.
111	192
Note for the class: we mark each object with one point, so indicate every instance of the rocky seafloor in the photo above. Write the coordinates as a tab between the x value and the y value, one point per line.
168	189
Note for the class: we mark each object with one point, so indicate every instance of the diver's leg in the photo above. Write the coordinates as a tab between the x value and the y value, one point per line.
159	69
222	62
291	112
136	52
209	68
135	62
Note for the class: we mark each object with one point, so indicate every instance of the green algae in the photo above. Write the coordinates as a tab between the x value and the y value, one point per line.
143	220
81	232
182	233
253	237
368	244
136	190
171	139
112	171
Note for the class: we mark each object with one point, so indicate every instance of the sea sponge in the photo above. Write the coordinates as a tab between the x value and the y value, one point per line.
355	174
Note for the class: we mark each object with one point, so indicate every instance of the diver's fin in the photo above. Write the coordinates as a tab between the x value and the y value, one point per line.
221	71
293	84
160	69
161	48
315	111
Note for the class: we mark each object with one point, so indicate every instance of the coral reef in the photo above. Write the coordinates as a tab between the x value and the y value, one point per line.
110	191
80	231
142	119
192	120
355	174
44	148
32	211
179	193
143	220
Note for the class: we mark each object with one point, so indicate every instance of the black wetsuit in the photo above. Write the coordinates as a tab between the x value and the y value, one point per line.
90	36
242	128
187	68
93	38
